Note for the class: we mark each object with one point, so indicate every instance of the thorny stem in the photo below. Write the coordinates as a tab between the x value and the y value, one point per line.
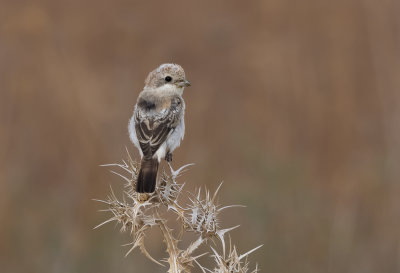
198	215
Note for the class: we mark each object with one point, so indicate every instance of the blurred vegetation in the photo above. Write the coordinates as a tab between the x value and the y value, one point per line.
295	105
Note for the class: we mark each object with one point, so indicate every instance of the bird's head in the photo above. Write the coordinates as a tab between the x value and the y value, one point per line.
167	75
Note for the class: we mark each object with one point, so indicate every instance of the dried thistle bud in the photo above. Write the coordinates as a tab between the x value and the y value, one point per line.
168	190
127	214
233	263
121	212
132	168
203	216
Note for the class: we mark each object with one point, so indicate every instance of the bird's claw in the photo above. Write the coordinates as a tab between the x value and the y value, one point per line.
168	157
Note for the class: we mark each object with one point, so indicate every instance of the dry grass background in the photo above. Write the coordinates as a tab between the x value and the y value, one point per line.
295	105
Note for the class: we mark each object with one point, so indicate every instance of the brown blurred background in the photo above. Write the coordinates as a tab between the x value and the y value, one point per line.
294	105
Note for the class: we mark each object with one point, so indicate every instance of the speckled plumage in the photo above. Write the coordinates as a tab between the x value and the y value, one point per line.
157	125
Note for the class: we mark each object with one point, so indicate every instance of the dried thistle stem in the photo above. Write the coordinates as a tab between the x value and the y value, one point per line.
199	215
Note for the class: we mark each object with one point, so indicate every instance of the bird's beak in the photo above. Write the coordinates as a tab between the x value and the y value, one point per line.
184	83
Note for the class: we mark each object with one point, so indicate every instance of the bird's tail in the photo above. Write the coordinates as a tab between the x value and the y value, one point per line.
147	177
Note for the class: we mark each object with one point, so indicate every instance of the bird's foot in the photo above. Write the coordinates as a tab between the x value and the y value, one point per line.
168	157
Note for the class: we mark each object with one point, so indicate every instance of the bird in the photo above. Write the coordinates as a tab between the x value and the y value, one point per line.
157	126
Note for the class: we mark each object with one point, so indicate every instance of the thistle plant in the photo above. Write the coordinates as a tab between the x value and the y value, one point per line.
197	213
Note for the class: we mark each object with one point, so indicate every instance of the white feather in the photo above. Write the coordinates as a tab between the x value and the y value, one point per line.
132	133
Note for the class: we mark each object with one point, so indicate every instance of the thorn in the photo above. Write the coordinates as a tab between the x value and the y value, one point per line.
108	165
231	206
101	201
216	192
105	222
120	175
203	269
176	173
248	252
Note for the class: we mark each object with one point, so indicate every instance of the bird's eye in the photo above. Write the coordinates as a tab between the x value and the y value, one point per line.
168	79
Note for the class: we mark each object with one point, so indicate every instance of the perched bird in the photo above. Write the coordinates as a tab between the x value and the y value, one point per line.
157	125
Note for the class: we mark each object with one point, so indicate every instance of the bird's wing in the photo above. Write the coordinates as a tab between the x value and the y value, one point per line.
153	127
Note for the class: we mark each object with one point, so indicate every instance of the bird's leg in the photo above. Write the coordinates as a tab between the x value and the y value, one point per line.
168	157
